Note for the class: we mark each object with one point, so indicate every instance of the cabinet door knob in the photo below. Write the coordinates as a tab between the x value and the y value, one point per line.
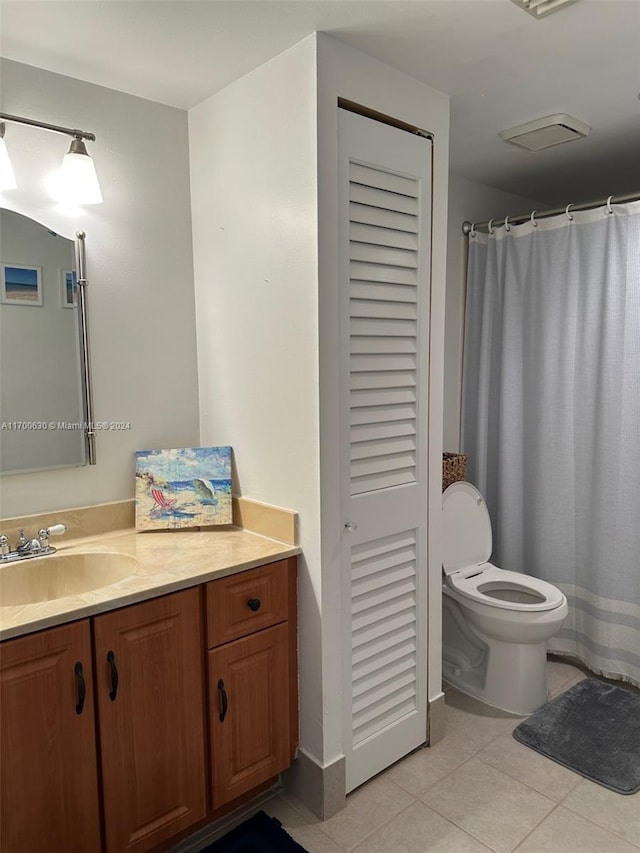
223	700
254	604
351	526
82	690
111	660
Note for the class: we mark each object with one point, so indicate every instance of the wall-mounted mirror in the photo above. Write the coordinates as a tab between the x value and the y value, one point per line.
45	389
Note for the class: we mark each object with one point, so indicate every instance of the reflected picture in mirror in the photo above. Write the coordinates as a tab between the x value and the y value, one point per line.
42	407
69	284
21	285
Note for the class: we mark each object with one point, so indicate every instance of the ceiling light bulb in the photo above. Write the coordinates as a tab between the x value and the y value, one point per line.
7	175
78	179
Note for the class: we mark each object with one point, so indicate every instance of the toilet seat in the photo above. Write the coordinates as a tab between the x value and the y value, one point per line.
485	582
467	546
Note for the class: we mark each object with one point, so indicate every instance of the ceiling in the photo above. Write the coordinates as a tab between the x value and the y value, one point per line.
500	66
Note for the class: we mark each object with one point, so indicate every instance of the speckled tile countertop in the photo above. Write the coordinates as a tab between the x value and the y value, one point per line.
157	564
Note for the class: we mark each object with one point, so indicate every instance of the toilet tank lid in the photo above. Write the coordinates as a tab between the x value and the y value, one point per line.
467	539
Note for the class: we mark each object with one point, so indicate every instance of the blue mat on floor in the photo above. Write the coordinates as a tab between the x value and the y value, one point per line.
593	729
258	834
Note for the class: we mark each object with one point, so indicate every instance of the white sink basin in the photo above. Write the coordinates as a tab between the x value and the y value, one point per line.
61	575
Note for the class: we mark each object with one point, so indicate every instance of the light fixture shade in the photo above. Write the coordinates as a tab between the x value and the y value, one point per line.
7	175
78	178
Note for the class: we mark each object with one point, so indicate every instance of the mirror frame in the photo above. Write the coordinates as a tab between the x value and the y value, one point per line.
85	353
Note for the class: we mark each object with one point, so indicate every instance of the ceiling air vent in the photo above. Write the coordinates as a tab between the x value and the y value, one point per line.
545	132
540	8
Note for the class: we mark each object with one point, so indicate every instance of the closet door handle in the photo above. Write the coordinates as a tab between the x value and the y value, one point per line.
223	700
111	660
82	690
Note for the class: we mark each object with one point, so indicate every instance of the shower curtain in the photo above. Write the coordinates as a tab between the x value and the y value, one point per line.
551	417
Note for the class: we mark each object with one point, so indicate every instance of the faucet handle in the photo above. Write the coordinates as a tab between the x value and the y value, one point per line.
23	543
4	546
46	532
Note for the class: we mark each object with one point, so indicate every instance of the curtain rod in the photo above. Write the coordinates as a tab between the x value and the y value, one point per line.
514	220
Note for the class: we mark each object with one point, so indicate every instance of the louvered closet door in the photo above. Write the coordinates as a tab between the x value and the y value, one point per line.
385	226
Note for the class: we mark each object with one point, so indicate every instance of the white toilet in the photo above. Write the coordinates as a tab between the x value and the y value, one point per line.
496	623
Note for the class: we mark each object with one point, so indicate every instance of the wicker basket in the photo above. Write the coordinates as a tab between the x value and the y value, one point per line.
454	468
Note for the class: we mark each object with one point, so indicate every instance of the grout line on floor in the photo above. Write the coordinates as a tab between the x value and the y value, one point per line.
436	781
600	825
382	825
533	829
526	784
466	831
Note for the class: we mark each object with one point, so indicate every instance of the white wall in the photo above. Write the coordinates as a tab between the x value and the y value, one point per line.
253	167
141	302
468	200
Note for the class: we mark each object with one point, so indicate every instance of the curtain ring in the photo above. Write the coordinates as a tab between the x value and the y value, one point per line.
472	233
490	228
570	217
609	208
507	227
533	220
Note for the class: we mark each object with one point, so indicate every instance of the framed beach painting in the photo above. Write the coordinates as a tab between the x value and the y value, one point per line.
68	288
186	487
21	285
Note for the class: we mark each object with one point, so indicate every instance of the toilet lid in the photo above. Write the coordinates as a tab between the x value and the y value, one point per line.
467	539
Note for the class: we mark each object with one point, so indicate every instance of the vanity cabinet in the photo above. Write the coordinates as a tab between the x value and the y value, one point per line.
148	676
103	721
150	696
251	619
48	772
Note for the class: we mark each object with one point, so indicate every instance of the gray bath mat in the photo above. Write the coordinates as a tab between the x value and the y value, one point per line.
593	729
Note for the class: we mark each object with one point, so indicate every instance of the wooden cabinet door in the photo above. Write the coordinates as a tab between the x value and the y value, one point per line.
48	771
249	712
150	688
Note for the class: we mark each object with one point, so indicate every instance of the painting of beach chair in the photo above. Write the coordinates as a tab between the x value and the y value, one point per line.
159	498
185	487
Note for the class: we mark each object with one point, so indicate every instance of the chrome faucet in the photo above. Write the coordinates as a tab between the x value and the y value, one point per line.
23	545
37	546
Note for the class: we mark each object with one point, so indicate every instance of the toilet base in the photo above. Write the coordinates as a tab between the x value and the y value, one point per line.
512	677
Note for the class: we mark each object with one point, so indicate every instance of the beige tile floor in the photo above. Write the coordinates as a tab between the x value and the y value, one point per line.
477	790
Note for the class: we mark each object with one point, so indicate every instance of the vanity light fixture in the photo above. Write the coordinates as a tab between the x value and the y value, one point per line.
78	178
7	175
79	181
